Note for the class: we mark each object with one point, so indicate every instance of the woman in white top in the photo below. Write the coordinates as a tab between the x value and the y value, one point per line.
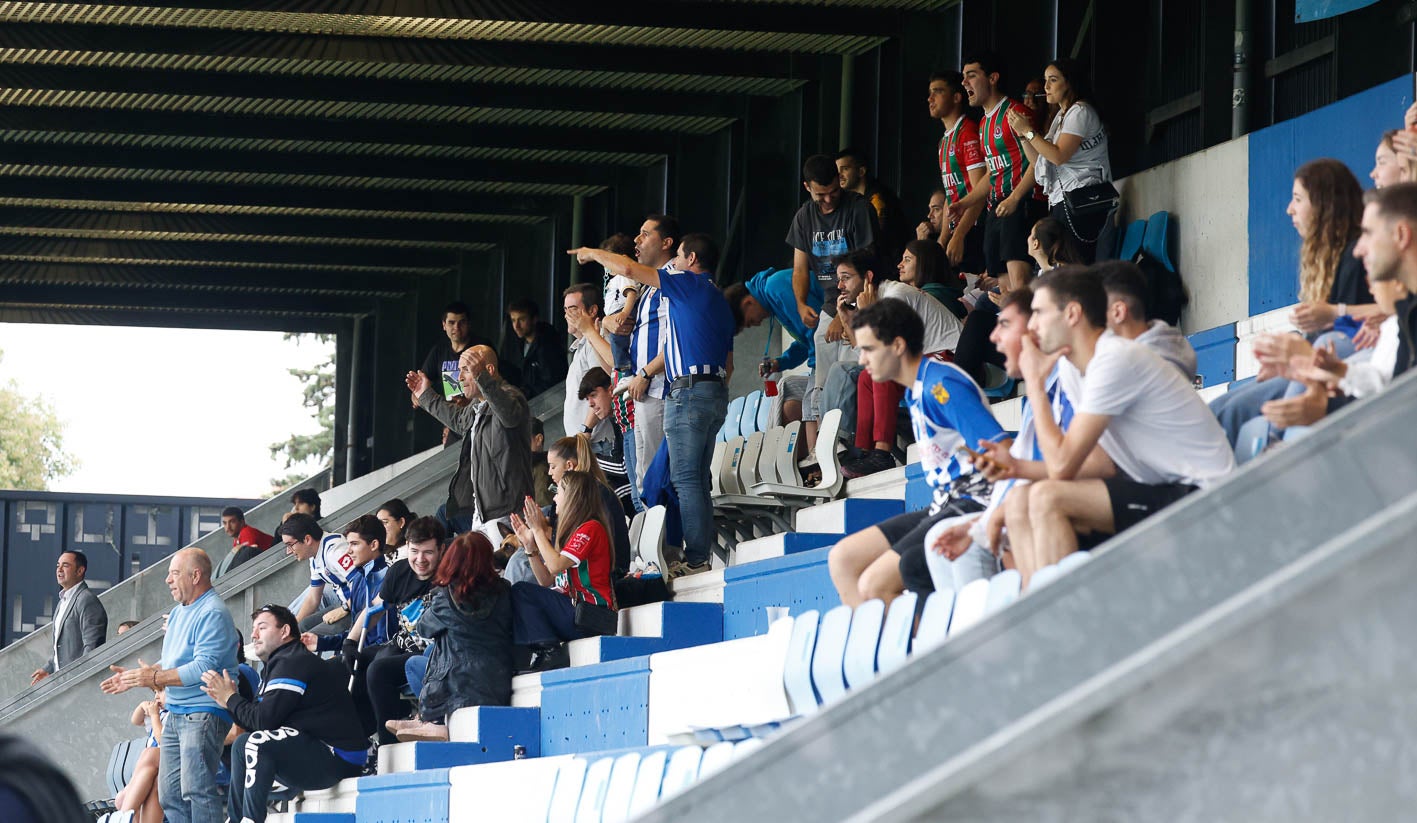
1073	154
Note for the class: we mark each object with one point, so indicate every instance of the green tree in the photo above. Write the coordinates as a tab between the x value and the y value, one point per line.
319	398
31	441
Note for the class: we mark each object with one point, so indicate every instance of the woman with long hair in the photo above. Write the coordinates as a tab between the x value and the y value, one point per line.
572	568
1388	167
1325	206
1050	245
469	620
575	454
1073	154
924	266
395	516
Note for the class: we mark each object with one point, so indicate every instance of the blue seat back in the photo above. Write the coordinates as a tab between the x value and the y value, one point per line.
765	414
827	659
1157	239
748	418
1132	240
895	633
859	662
597	781
970	603
733	421
797	668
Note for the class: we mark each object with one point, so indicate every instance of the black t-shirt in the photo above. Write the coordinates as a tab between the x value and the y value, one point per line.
1350	283
441	365
401	586
824	237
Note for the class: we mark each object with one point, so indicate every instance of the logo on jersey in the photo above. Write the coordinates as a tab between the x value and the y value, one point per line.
345	561
940	394
998	132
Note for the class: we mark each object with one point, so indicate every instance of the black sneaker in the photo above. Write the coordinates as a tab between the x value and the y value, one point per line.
876	460
550	657
683	568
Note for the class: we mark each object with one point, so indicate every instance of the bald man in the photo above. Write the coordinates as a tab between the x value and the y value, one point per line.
494	468
201	637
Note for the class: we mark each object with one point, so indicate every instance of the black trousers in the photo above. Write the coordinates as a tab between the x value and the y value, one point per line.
296	759
974	349
384	680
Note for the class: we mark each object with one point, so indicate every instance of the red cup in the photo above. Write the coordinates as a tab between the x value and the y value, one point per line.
770	388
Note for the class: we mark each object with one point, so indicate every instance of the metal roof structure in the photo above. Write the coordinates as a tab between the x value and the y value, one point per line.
285	164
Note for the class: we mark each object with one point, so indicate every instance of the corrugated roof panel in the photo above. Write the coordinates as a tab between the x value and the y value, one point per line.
302	180
355	110
226	237
332	268
431	28
265	211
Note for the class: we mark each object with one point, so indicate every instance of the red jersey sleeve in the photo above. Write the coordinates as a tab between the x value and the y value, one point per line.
584	541
970	153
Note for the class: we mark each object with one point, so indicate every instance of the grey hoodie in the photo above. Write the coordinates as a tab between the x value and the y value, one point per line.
1172	346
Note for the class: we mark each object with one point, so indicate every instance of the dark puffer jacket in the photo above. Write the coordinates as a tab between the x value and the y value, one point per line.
471	663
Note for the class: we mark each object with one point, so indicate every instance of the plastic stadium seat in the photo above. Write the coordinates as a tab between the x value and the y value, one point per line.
748	417
1043	577
970	603
859	662
1132	240
733	421
765	414
648	778
597	781
566	796
616	807
1156	238
716	758
1003	590
649	543
935	617
743	748
827	673
1073	560
797	669
1253	437
682	771
767	458
895	633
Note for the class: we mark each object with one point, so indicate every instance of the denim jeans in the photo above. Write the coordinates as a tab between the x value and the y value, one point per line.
415	670
630	470
692	418
188	757
840	393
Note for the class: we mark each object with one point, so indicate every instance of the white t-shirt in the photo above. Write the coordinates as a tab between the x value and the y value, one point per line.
1089	164
575	410
941	327
615	288
1161	431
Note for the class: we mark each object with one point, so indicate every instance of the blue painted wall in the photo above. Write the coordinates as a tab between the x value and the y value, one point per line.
1347	130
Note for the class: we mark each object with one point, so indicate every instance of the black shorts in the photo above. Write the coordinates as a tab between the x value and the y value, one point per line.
1006	238
906	533
973	260
1133	502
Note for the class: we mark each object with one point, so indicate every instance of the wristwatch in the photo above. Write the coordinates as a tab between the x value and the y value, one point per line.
1029	135
644	373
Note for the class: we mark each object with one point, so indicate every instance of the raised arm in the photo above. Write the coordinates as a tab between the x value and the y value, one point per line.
618	264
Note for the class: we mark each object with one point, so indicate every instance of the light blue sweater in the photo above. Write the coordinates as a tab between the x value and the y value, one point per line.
200	638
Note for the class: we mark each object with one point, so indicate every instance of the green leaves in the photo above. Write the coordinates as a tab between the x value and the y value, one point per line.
31	441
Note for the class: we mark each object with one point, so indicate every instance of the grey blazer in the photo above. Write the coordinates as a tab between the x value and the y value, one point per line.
85	628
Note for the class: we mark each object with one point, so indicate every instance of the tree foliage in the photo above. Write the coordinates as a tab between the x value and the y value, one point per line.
319	397
31	441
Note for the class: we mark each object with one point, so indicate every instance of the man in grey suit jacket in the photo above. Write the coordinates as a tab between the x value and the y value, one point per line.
80	622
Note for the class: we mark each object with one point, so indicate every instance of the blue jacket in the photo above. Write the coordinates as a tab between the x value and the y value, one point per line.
773	288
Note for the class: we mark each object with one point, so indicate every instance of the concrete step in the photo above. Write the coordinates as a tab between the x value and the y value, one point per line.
886	485
526	690
311	817
652	628
338	799
846	516
777	545
706	587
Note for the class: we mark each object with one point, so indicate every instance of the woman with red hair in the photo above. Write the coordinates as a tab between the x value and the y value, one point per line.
469	620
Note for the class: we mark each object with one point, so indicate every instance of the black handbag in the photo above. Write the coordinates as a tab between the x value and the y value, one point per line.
596	620
1098	199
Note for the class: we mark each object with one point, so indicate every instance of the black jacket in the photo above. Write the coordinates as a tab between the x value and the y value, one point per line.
307	694
471	663
541	367
1406	335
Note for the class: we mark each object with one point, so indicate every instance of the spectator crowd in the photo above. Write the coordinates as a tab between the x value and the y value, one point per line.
1007	281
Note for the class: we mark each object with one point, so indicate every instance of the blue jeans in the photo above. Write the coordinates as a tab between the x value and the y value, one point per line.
692	418
188	757
840	393
415	669
454	525
630	467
